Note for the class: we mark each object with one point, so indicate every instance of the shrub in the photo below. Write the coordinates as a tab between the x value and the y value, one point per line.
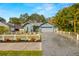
7	40
18	39
3	29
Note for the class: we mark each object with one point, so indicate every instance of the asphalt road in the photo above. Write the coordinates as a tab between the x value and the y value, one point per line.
57	45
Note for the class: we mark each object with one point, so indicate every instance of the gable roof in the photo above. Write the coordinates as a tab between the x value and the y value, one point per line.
10	24
14	25
46	25
37	24
3	24
22	25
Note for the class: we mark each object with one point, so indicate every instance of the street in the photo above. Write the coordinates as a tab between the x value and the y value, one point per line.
57	45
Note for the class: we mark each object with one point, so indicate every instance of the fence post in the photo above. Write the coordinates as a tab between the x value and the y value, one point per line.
3	37
14	37
57	32
77	37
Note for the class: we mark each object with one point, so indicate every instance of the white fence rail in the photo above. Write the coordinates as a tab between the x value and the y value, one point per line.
70	35
30	36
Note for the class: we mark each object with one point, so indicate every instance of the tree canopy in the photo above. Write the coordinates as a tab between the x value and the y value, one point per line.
26	18
15	20
3	29
36	18
67	19
2	19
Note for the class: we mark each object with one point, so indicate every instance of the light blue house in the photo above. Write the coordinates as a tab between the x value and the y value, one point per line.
42	27
29	27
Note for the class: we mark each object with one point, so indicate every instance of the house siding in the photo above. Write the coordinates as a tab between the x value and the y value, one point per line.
28	27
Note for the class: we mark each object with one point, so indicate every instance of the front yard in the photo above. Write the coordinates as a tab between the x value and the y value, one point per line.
21	49
20	45
21	53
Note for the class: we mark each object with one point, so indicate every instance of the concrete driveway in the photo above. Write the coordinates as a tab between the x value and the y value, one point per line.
56	45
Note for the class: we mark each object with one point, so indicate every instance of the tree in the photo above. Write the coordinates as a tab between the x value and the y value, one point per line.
15	20
2	19
35	28
3	29
67	18
32	18
24	17
36	18
43	19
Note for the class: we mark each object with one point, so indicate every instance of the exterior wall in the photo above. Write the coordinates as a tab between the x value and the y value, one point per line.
11	28
28	27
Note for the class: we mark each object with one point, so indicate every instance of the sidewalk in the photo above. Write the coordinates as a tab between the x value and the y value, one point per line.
21	46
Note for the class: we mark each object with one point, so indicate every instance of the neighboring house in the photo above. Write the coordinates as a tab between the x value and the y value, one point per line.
3	24
47	27
14	27
11	26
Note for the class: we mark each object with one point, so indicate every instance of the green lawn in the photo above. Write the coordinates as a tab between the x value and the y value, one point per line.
20	53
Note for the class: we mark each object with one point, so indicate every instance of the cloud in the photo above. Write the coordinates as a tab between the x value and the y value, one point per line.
49	9
45	9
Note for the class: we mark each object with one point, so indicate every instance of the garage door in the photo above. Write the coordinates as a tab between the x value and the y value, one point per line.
46	29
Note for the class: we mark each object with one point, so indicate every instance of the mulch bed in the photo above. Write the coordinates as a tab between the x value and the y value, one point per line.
10	41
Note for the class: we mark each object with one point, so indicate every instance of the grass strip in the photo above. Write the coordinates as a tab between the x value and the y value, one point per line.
20	53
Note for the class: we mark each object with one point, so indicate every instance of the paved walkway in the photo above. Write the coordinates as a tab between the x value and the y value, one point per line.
21	46
56	45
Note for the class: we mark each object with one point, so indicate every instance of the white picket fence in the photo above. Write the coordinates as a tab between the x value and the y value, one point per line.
36	36
70	35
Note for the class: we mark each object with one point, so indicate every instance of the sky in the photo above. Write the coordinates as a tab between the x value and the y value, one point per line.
8	10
